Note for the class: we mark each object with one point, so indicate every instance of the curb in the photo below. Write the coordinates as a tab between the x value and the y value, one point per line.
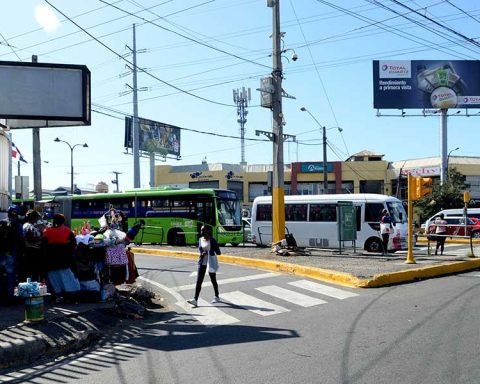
326	275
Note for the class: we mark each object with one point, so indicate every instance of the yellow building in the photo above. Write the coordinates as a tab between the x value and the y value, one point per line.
363	172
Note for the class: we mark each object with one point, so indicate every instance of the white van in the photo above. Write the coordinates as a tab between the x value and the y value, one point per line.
312	219
471	212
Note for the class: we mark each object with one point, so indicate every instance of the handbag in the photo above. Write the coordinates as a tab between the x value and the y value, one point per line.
212	263
116	255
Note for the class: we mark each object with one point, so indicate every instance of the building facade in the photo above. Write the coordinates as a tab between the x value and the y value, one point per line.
363	172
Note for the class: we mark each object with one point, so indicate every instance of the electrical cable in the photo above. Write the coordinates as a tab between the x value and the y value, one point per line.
133	66
186	37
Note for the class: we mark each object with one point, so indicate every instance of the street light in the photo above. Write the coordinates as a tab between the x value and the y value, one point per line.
324	140
448	159
85	145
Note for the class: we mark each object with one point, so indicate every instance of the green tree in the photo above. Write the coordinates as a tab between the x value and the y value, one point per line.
448	195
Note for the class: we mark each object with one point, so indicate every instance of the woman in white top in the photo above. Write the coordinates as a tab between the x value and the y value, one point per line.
440	233
209	250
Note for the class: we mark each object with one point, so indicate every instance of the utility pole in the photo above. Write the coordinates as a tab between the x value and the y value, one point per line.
135	122
278	193
37	160
241	97
116	179
136	128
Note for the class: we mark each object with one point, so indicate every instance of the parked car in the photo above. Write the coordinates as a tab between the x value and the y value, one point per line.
457	212
456	226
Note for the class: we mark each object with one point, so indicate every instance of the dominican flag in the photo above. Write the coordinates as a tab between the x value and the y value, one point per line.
16	154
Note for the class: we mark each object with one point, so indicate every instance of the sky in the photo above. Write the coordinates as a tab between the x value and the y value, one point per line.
194	53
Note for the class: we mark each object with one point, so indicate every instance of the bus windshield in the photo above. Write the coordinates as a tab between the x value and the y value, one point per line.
228	211
397	212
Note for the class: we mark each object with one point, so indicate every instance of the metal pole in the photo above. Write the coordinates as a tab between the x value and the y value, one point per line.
410	258
152	169
37	160
443	146
71	169
136	129
278	194
325	171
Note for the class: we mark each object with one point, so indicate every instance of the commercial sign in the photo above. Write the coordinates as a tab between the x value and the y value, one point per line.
154	137
315	167
441	84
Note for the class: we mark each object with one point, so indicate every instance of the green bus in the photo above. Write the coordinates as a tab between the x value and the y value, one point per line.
172	216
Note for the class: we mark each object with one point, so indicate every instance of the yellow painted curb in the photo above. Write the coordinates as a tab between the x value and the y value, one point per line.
341	278
420	273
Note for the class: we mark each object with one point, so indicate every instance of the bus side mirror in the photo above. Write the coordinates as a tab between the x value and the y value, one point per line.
400	215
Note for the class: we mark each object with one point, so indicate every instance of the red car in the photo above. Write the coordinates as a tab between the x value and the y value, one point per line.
456	226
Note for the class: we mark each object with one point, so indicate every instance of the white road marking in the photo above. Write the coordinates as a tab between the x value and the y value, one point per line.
207	314
252	304
227	281
323	289
291	296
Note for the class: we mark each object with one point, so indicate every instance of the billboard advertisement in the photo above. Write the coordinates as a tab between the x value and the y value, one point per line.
410	84
155	137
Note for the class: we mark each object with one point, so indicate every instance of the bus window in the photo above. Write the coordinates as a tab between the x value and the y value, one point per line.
323	212
295	212
373	212
264	212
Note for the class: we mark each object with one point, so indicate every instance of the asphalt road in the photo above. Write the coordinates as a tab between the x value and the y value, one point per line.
277	328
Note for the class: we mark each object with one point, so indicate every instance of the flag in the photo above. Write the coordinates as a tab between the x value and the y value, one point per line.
16	154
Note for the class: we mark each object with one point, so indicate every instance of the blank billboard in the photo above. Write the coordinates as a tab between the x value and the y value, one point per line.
42	95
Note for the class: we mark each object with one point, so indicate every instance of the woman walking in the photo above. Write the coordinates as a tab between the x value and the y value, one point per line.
209	250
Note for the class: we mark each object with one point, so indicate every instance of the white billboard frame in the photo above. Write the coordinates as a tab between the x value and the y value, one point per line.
39	95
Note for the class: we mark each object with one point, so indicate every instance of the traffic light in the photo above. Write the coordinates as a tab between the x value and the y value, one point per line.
422	187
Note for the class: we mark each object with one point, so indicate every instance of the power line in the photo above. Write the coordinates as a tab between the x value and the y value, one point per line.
130	63
186	37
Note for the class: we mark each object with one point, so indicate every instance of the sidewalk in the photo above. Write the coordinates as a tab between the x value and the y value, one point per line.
67	328
71	327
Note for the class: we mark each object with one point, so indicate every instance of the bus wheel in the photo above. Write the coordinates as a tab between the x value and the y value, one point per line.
374	245
234	244
176	237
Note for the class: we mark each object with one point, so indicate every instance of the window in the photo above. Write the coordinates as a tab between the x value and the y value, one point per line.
348	187
323	212
371	186
237	187
373	212
295	212
264	212
257	189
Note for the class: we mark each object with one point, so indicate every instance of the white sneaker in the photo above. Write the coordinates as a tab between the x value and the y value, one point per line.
193	302
216	299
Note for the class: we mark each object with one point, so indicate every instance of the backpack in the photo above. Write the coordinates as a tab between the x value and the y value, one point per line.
7	237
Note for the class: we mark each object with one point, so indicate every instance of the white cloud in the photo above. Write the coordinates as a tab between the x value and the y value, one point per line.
46	18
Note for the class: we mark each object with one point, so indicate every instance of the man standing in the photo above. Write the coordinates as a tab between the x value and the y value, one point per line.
11	248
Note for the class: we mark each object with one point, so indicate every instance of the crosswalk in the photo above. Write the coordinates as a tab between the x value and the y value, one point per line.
267	300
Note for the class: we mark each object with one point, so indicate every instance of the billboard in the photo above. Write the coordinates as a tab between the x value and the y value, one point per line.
154	137
442	84
44	95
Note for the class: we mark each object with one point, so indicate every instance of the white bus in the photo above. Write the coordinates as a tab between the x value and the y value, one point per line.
312	220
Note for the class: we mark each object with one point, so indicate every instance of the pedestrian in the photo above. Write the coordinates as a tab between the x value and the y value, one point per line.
32	262
133	231
59	244
440	233
11	249
385	229
209	249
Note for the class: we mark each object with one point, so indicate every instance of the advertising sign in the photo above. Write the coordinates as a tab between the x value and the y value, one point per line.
155	137
315	167
441	84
